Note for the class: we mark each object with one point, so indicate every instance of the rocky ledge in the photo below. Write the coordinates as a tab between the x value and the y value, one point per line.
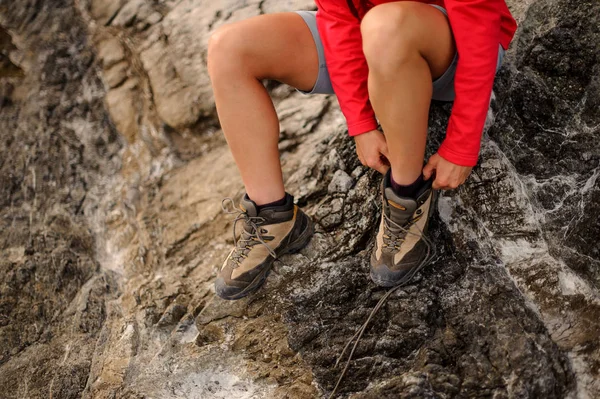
111	230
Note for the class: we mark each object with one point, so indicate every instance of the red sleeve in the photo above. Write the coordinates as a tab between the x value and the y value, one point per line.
476	28
342	41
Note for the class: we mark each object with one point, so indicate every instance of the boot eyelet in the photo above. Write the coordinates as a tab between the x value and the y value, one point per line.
419	211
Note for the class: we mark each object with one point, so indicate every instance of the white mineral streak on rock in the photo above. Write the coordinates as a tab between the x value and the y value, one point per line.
188	203
545	280
213	385
445	209
591	182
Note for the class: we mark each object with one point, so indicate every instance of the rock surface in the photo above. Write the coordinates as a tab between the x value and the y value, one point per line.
111	229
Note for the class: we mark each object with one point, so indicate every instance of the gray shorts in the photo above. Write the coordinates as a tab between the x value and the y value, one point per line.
443	87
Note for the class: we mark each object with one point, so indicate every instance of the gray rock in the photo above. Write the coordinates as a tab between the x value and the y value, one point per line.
132	10
154	18
104	11
123	108
116	75
110	52
340	183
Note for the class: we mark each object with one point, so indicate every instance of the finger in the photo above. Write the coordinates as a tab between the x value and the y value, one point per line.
382	168
384	150
385	169
428	169
379	166
439	184
385	160
452	185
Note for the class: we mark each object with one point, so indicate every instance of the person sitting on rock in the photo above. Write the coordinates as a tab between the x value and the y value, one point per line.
384	58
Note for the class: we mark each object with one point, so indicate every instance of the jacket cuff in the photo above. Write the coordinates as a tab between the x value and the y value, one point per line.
456	157
361	127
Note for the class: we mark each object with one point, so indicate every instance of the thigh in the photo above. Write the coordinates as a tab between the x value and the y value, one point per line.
426	27
274	46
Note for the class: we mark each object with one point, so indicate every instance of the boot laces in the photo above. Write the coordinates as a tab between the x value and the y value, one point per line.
403	231
394	234
249	237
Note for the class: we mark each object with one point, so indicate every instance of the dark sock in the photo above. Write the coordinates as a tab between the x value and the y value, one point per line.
280	202
409	191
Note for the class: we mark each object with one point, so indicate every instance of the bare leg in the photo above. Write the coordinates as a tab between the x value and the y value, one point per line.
406	45
275	46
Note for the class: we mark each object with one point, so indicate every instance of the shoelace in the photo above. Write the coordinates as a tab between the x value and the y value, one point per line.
247	239
396	238
405	280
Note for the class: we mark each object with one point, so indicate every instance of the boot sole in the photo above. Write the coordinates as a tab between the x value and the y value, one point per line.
381	282
300	242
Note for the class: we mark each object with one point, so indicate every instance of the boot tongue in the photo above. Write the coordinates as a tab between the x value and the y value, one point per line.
400	209
248	206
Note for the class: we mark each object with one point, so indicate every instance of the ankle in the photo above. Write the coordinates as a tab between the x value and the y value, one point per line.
407	190
285	201
280	202
265	198
405	174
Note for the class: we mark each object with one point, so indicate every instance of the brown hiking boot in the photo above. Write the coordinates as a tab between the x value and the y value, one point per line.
401	243
266	235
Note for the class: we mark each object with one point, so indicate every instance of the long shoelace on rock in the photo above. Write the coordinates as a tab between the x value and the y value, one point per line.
404	281
250	237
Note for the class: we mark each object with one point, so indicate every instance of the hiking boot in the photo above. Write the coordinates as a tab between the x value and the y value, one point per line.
401	243
266	235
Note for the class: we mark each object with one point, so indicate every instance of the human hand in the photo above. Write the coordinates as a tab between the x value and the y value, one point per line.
372	150
447	175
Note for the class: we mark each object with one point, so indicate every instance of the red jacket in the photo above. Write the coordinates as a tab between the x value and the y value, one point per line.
478	27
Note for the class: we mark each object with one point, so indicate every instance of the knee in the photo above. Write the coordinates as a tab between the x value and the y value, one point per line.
388	35
225	50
